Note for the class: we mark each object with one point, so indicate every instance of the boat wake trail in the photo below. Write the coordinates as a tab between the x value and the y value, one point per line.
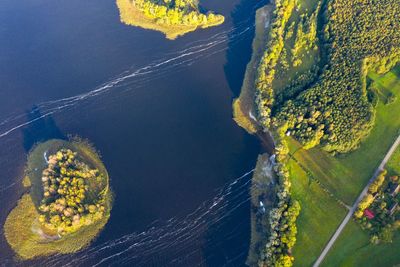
127	81
176	242
172	62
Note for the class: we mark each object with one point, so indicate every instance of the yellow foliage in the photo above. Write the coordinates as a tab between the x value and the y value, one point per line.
174	19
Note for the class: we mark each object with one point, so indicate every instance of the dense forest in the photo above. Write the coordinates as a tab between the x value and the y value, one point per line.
334	111
70	199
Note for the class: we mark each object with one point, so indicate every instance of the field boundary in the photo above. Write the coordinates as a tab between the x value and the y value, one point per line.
355	205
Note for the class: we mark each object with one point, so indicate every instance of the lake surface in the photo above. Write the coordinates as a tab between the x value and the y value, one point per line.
159	112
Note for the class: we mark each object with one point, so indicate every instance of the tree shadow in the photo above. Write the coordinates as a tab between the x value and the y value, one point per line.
396	70
239	52
41	129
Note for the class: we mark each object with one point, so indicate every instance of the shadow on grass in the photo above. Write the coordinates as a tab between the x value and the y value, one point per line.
396	70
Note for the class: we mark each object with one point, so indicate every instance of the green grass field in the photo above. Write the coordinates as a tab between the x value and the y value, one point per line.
342	178
357	250
393	166
320	213
346	175
325	184
353	249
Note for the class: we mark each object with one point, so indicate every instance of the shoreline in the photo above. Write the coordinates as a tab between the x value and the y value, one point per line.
263	183
263	180
130	15
26	237
244	108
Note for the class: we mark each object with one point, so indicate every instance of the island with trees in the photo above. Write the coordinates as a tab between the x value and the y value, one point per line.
171	17
68	200
325	89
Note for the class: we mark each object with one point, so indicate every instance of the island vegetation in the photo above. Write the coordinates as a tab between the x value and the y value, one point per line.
67	204
172	17
326	90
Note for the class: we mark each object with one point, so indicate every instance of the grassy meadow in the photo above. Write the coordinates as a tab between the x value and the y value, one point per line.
24	234
354	249
393	166
320	213
339	180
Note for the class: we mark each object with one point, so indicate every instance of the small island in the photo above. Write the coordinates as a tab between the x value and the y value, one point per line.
67	204
171	17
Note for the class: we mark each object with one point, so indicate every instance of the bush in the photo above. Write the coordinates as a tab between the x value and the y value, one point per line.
374	187
390	99
363	205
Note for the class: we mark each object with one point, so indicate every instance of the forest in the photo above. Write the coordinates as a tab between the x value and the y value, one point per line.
332	110
312	85
69	199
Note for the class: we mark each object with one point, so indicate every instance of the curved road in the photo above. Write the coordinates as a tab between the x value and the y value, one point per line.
355	205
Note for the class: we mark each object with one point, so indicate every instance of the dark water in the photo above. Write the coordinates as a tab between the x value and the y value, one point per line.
160	113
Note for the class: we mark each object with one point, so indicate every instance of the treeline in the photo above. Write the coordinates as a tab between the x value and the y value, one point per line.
266	69
176	12
335	112
369	197
282	219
